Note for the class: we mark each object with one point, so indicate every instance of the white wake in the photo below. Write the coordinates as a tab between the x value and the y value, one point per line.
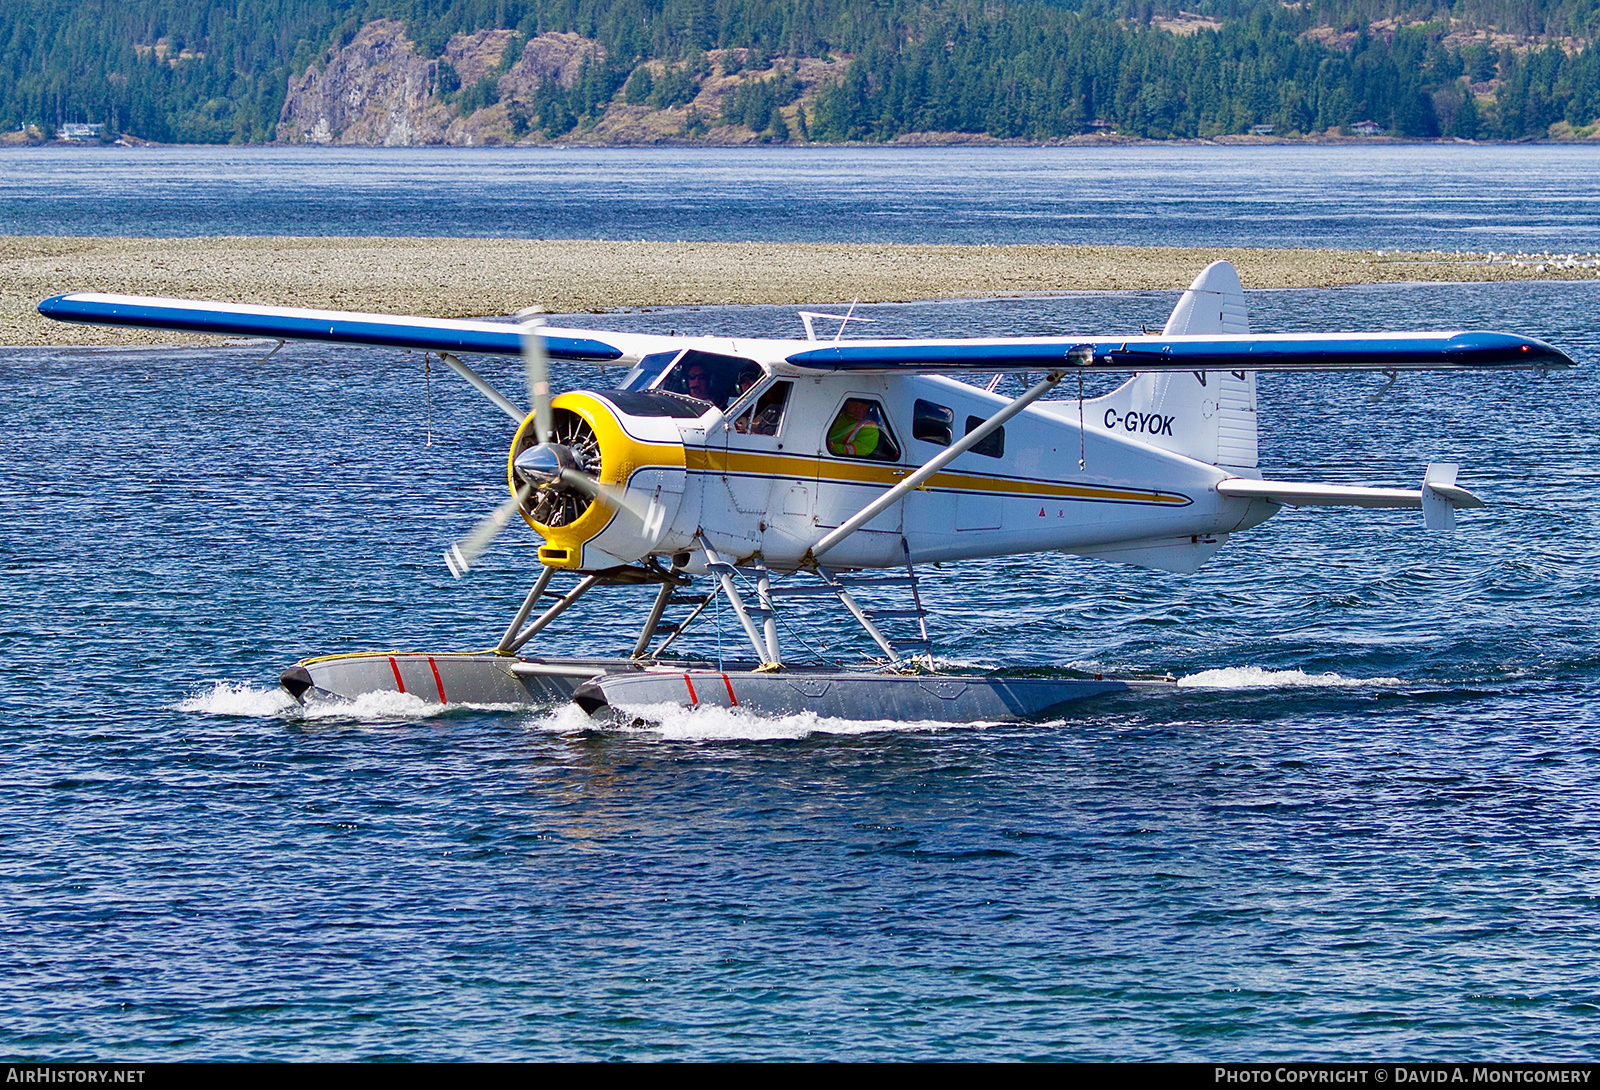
710	723
247	701
1256	677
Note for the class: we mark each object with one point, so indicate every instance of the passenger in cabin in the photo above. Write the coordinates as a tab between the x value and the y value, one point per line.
769	409
747	379
859	432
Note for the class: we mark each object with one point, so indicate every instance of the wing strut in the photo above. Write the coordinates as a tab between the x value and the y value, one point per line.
481	384
934	465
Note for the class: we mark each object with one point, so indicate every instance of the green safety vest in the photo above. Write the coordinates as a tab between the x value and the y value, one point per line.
854	437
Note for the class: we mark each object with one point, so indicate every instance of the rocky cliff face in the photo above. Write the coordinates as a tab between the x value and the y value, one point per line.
374	91
378	91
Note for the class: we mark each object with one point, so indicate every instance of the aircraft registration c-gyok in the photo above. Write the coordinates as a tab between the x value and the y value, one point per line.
757	469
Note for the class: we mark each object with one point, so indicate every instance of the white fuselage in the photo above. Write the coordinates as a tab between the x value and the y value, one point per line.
772	497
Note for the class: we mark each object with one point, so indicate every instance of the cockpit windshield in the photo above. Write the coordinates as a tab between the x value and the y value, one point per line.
706	376
647	370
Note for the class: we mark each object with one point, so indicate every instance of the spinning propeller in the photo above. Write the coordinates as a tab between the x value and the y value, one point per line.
548	466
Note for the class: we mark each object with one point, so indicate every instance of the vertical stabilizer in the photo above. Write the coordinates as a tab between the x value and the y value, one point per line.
1214	304
1209	416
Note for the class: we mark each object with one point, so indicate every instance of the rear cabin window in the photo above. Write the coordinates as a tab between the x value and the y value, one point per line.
932	423
861	430
993	445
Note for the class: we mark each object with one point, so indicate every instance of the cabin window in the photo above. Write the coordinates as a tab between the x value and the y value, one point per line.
862	431
993	445
706	376
932	423
766	415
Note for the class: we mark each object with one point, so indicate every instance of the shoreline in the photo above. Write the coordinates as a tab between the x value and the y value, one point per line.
476	277
909	140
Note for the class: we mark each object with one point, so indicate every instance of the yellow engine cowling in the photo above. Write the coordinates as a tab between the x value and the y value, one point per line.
641	454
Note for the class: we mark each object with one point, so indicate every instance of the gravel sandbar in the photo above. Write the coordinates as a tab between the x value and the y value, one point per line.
466	277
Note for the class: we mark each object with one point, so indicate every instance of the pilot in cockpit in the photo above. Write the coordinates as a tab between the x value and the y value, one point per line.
716	380
697	383
704	377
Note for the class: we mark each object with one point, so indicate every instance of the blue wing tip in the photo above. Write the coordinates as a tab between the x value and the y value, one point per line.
1511	348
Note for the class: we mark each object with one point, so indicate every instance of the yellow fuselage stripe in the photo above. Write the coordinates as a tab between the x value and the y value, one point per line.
757	463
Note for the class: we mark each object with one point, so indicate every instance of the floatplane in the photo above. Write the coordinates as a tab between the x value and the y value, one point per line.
759	469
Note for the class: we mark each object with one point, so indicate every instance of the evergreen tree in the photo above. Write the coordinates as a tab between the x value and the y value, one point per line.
217	71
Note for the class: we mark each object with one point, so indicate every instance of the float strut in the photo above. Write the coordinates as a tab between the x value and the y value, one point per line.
553	612
859	614
683	625
504	646
724	573
639	649
769	623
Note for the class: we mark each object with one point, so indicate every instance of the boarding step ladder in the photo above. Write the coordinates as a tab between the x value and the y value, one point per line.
754	594
888	606
657	624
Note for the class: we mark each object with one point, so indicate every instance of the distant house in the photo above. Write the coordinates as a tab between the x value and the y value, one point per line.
1367	128
1099	124
1261	130
76	130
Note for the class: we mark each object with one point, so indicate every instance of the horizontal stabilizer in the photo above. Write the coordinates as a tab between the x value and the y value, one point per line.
1441	497
1438	497
330	326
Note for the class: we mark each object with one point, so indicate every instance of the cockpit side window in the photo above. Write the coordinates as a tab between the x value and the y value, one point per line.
706	376
862	431
765	417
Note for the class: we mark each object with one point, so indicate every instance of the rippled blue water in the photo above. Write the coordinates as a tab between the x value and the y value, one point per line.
1420	196
1367	827
1364	828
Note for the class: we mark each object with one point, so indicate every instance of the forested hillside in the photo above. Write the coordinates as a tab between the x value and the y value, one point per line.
219	71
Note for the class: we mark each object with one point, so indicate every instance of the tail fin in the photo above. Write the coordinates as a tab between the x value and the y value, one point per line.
1209	416
1214	303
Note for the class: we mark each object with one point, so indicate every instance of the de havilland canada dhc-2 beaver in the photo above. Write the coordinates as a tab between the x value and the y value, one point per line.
757	469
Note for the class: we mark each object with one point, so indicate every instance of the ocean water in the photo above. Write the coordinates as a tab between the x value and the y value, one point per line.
1536	198
1365	825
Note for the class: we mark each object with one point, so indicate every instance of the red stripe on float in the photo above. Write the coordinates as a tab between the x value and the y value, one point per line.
395	666
692	698
729	684
437	680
